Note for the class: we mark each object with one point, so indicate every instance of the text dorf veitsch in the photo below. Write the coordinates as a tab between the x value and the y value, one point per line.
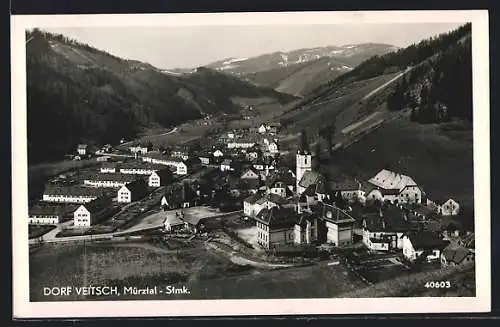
114	290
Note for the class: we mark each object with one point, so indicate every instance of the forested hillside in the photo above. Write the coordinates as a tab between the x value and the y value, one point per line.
76	93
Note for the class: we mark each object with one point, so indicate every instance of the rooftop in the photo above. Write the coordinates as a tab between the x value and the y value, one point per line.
426	240
387	179
113	177
310	178
277	217
73	190
335	215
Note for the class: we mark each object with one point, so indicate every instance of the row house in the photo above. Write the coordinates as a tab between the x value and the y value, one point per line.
182	167
243	143
132	191
139	168
70	194
49	213
109	180
92	212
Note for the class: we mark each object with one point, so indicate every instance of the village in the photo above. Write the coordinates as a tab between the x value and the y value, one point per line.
237	186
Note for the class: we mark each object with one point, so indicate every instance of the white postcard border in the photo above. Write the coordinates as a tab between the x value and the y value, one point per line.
22	308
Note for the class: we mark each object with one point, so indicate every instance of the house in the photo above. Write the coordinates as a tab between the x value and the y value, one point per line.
70	194
394	187
139	149
92	212
204	159
181	166
226	165
350	190
49	213
109	180
179	195
422	245
82	149
255	203
449	208
275	226
272	147
160	178
456	254
339	225
250	174
306	227
383	230
132	191
218	153
173	221
249	208
241	143
280	183
139	168
109	167
262	128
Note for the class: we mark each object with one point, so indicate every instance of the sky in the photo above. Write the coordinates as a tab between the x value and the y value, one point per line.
191	46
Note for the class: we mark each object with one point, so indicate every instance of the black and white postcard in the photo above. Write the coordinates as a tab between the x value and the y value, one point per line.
250	164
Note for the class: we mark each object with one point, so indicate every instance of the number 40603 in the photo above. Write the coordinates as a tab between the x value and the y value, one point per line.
438	284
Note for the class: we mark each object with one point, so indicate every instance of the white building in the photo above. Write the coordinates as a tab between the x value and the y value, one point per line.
262	129
71	194
423	245
82	149
160	178
109	180
240	144
272	147
226	165
133	191
393	187
181	168
49	214
449	208
139	149
90	213
218	153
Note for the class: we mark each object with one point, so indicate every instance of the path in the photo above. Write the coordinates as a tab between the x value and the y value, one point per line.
381	87
154	135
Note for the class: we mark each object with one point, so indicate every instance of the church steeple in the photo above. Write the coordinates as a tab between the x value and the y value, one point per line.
304	144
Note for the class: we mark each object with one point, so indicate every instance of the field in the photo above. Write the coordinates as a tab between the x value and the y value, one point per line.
35	231
208	275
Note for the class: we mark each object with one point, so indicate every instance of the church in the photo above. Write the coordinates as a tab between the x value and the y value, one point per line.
314	220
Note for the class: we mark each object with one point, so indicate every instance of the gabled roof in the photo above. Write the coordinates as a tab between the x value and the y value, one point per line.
335	215
386	179
280	176
310	178
271	197
277	217
426	240
392	220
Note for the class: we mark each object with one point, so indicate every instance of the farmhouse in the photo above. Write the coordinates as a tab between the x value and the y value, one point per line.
49	214
90	213
449	208
422	245
160	177
394	187
109	180
383	230
70	194
82	149
132	191
275	226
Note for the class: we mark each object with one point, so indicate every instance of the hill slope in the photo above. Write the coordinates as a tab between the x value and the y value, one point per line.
378	116
92	96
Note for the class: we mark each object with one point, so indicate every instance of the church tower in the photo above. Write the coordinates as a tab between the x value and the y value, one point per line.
303	161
